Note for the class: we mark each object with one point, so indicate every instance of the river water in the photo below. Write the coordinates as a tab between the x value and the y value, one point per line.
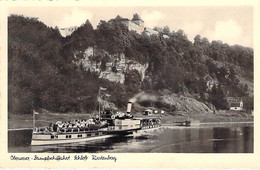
233	138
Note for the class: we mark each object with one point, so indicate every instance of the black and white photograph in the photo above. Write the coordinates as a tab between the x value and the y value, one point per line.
130	79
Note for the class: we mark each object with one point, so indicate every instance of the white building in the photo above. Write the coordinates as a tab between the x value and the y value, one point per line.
236	106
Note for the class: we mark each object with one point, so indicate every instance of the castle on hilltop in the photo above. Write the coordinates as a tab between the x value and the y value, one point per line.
136	24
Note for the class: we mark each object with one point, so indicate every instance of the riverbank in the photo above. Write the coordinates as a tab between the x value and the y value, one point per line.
44	119
219	116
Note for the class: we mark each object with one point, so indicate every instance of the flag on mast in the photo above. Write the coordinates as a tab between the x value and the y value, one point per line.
34	112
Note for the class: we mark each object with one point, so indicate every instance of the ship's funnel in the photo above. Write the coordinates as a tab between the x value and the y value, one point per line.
129	106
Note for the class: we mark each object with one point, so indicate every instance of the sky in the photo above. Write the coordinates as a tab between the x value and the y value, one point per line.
230	24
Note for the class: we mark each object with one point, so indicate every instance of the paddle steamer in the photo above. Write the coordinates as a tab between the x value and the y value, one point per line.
104	126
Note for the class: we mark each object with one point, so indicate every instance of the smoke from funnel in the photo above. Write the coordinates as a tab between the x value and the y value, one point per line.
142	96
138	95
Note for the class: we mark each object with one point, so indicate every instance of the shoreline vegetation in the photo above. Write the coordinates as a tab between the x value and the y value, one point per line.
219	117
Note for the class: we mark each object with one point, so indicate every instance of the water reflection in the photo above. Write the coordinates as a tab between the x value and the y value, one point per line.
202	139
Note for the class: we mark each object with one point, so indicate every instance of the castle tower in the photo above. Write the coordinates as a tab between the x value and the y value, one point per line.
137	19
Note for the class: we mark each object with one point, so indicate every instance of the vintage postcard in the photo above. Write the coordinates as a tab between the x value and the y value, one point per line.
129	84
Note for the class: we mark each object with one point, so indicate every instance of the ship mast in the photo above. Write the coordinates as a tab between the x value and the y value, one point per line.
33	119
99	97
34	113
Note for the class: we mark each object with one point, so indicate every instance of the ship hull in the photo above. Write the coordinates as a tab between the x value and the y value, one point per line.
75	137
66	138
37	142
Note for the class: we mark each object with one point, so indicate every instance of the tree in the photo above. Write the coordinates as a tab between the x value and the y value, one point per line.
103	65
180	32
83	37
248	103
217	97
197	40
133	80
159	29
205	41
166	30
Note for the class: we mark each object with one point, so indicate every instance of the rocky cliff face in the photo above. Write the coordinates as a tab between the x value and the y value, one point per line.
111	67
114	67
210	82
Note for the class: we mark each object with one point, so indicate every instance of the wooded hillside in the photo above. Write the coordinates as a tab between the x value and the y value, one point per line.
42	73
